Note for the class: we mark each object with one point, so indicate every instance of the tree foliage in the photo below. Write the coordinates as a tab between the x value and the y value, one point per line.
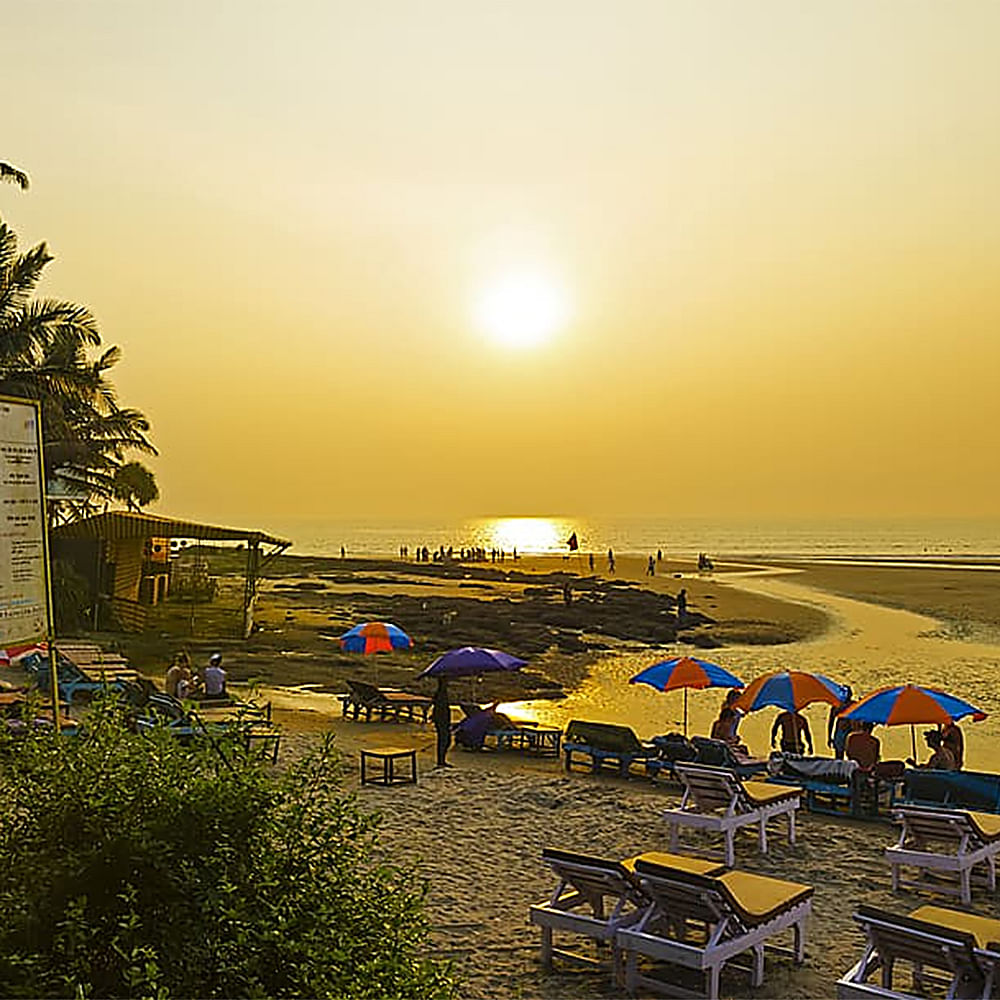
134	485
51	351
134	866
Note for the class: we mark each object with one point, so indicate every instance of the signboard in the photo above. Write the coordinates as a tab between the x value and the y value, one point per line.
24	589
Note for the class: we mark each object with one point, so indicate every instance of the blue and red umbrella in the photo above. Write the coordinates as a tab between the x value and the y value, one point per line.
791	690
913	705
375	637
685	672
468	661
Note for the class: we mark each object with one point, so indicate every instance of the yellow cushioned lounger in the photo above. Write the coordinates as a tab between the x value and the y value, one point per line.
761	793
984	929
696	866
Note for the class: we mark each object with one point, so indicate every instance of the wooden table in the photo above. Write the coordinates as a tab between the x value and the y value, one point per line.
541	741
387	775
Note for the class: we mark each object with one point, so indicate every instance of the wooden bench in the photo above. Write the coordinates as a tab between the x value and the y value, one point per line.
385	704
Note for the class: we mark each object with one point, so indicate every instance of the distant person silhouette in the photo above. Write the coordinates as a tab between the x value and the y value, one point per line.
611	561
682	604
590	559
651	567
343	552
659	555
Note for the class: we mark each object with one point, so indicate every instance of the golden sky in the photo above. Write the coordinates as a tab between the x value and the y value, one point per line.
774	229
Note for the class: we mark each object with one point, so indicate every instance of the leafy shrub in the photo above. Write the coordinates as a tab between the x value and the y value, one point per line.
134	866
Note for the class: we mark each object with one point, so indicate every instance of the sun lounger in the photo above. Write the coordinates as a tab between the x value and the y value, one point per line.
384	703
963	841
595	897
704	920
955	789
717	753
955	951
609	746
828	785
716	800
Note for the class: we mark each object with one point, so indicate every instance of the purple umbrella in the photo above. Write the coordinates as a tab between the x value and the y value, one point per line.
469	661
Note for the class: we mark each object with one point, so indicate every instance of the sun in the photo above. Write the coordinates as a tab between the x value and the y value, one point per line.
522	310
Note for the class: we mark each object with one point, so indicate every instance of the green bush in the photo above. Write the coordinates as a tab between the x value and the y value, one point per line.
134	866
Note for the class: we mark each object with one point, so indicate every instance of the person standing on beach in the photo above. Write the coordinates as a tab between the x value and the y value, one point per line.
343	552
611	561
682	604
590	559
441	717
838	729
650	567
794	729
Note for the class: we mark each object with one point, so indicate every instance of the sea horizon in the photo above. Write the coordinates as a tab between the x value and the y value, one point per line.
958	539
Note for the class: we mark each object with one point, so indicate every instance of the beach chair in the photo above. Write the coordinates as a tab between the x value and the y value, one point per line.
954	789
594	898
718	753
705	920
384	703
608	746
953	842
956	952
716	800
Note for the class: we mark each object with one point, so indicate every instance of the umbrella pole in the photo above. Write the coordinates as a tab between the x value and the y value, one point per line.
913	739
685	713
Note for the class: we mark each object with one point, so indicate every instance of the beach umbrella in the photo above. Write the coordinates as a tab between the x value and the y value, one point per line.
683	672
790	690
910	704
468	661
375	637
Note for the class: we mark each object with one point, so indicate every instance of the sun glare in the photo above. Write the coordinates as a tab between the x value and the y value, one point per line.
522	310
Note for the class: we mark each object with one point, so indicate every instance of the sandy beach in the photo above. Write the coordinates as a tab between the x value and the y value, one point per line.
476	831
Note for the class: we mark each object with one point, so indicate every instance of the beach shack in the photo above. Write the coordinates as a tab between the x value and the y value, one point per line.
126	560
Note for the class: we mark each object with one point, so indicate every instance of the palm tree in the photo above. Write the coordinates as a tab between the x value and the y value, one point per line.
47	352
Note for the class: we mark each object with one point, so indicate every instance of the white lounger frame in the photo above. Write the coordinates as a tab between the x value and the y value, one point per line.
675	905
714	788
921	948
920	825
579	905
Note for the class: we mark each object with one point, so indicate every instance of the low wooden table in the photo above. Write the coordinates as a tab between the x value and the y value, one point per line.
386	775
541	741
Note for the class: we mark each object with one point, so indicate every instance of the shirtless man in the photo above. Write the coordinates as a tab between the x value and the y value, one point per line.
863	747
794	729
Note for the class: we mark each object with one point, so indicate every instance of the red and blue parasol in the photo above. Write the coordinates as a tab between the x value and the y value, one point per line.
375	637
791	690
912	705
685	672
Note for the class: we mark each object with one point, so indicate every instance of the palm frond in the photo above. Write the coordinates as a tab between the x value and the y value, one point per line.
14	176
18	281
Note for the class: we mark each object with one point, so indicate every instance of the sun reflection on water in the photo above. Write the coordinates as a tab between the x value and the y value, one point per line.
527	534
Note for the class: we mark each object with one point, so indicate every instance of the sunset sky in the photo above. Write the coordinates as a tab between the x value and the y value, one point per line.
554	256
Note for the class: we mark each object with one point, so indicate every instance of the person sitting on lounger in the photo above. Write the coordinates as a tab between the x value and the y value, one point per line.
471	731
862	747
794	729
952	739
942	759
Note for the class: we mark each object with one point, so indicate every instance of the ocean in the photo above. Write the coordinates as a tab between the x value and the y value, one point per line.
965	541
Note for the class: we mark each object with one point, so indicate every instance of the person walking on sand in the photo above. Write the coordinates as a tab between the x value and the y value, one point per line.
650	567
441	717
794	729
611	561
590	559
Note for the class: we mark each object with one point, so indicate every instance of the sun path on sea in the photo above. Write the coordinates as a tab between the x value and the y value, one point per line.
867	646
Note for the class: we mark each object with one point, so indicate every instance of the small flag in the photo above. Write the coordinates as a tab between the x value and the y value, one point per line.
572	542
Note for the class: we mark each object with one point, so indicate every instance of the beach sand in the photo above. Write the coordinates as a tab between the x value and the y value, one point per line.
476	831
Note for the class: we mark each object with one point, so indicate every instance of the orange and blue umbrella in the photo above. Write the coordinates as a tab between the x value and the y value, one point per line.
375	637
791	690
912	705
685	672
